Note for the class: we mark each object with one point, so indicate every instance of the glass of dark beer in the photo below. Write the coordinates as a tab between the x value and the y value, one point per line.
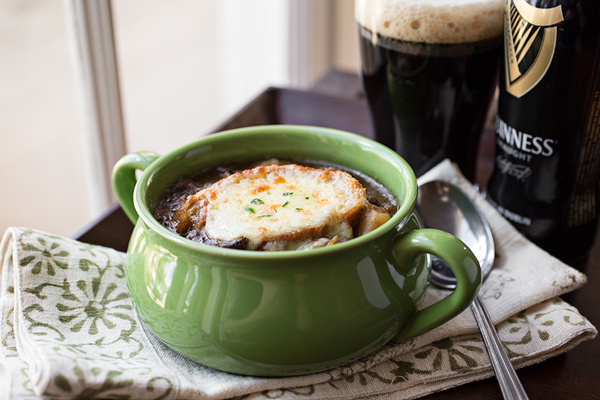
429	72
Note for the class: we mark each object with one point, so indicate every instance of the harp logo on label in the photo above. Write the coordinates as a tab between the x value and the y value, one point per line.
529	43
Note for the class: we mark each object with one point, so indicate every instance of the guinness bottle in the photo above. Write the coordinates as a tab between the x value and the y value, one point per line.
547	162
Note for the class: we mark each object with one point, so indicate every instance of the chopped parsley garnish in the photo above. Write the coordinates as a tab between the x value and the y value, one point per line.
288	194
257	201
307	197
250	210
285	204
298	209
265	216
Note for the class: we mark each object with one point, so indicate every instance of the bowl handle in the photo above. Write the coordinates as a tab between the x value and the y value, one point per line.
124	179
458	257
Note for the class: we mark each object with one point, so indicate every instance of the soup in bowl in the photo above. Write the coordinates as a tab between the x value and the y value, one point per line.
274	205
282	250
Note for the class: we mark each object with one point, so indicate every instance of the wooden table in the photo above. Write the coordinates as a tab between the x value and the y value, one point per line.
574	375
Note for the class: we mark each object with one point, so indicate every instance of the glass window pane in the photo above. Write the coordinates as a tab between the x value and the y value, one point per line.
41	146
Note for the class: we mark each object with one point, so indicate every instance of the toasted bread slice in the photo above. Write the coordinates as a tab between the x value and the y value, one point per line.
277	207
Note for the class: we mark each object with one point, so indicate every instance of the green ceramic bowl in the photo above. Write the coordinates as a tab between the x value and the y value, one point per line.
290	312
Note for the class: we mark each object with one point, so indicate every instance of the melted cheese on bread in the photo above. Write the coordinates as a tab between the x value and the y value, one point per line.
279	207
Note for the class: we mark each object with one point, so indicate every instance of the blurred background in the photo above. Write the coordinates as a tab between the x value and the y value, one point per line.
183	66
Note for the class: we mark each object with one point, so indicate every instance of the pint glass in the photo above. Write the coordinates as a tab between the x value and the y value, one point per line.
429	71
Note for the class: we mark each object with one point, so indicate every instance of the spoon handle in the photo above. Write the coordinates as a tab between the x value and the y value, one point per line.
510	385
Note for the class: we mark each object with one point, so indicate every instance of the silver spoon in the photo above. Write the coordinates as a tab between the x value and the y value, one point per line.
444	206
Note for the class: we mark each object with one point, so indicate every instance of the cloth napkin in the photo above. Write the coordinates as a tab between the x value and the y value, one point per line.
68	329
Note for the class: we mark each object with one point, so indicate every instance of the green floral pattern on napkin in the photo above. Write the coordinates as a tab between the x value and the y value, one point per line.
74	310
69	330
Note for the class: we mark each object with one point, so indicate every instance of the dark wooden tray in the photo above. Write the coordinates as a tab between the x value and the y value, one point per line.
573	375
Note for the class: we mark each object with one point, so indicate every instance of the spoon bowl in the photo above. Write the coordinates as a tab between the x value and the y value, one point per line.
444	206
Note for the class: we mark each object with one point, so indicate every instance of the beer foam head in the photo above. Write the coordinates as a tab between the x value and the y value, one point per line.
432	21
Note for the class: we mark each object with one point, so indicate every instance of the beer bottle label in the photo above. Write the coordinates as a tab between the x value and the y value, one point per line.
523	144
547	166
